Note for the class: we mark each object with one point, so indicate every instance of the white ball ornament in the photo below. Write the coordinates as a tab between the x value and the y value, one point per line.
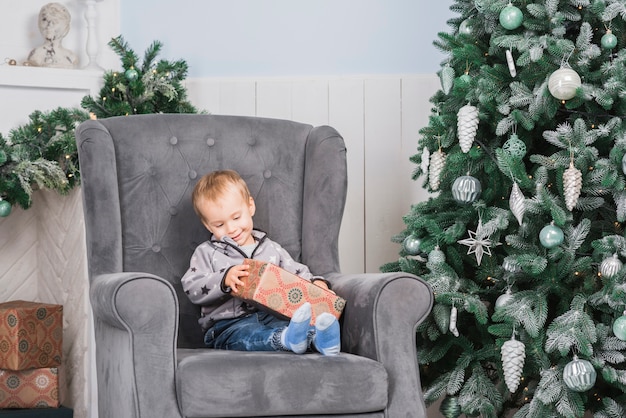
411	245
503	299
465	28
551	236
619	327
511	17
563	83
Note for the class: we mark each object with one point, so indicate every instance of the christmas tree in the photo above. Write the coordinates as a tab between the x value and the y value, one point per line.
523	235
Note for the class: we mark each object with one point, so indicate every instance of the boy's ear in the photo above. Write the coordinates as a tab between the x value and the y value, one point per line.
251	206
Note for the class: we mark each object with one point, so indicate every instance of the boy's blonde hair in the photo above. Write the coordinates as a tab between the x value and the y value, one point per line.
214	185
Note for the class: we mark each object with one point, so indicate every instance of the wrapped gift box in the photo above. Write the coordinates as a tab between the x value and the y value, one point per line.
281	292
31	335
34	388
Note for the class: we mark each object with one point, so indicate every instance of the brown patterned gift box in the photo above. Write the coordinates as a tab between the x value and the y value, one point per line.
34	388
31	335
281	292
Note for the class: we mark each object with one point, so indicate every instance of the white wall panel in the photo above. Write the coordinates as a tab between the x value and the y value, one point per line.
310	101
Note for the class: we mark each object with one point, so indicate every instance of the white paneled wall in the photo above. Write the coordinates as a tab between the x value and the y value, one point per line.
379	118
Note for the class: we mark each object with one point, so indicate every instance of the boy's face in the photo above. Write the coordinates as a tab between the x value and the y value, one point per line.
229	215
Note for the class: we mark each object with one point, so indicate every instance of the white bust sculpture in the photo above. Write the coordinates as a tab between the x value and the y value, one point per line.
54	24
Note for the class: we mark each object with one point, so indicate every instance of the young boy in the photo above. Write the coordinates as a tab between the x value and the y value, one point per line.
222	201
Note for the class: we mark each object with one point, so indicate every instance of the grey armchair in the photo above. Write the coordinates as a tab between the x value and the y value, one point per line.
137	176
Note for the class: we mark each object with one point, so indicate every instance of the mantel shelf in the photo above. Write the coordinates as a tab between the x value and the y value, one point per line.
50	78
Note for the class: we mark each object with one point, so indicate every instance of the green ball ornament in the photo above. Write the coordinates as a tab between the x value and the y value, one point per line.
579	375
551	236
466	189
450	407
131	74
515	147
5	208
608	41
619	328
465	78
511	17
411	245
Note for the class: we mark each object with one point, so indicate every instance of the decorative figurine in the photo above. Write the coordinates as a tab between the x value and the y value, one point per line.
54	24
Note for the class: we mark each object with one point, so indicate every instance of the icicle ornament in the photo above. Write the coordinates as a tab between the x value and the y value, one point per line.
511	63
517	203
453	317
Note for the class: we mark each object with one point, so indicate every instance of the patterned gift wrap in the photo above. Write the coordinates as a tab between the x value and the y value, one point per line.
31	335
34	388
281	292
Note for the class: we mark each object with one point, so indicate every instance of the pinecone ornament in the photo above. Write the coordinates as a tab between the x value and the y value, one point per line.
513	356
572	183
447	78
467	125
437	161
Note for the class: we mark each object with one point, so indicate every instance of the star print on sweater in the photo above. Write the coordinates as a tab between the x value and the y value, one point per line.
205	290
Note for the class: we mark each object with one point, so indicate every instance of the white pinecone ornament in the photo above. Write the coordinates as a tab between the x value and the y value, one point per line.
513	356
437	161
467	125
572	183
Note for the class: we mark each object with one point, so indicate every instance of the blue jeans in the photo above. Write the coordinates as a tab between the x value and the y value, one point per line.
259	331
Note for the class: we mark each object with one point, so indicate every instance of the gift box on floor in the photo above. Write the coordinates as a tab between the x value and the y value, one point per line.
31	335
33	388
281	292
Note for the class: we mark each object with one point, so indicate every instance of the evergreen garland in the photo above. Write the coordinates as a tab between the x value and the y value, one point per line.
42	153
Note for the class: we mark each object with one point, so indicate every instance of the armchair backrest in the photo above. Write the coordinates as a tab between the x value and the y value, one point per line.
138	172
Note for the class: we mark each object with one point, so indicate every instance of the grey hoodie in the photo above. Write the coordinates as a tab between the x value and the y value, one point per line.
204	280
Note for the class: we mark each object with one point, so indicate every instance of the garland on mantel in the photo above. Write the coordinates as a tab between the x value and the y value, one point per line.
42	153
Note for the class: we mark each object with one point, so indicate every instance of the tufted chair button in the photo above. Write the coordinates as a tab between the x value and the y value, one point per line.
173	211
152	171
156	248
173	140
210	142
252	141
267	174
192	174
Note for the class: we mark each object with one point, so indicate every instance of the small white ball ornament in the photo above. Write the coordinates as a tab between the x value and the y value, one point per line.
610	266
411	245
563	83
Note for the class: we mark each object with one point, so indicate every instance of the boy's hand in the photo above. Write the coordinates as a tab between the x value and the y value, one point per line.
232	277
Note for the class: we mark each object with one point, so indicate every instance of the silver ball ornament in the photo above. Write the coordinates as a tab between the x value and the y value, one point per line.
411	245
465	28
466	189
503	299
579	375
610	266
551	236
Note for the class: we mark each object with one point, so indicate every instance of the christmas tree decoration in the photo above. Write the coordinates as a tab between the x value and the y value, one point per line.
624	164
479	243
411	245
131	74
437	162
610	266
425	160
465	28
619	327
511	266
466	189
467	126
453	317
447	78
551	236
513	357
515	147
510	63
511	17
503	299
579	375
517	203
465	78
450	407
563	83
572	183
5	208
436	256
608	40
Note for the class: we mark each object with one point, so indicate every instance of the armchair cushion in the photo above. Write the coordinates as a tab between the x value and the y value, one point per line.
242	384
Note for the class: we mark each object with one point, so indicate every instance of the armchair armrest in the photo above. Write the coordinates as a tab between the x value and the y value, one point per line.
135	344
380	319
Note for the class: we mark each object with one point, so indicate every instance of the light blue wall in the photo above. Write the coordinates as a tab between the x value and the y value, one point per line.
291	37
